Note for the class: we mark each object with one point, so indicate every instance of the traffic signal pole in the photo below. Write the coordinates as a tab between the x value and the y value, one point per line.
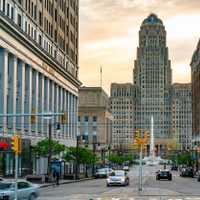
16	174
140	170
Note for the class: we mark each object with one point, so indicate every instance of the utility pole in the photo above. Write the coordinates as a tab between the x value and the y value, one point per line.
16	147
77	158
50	149
141	137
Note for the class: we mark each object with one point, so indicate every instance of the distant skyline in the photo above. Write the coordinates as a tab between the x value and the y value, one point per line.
109	37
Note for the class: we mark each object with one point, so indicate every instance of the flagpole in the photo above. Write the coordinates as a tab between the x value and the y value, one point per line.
100	76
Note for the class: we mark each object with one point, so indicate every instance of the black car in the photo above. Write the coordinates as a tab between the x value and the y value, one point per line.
164	174
174	167
187	172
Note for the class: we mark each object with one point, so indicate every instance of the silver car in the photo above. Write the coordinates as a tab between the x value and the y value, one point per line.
26	190
103	172
118	177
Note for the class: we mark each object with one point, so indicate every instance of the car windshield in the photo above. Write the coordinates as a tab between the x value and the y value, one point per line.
102	170
117	173
5	186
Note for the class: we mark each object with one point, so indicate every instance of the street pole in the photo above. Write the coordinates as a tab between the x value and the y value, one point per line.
77	157
50	149
140	170
94	150
16	174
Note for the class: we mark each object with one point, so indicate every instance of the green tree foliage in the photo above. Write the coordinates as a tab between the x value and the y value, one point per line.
42	147
184	159
120	159
85	156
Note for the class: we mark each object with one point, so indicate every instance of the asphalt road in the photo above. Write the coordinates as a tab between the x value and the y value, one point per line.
96	189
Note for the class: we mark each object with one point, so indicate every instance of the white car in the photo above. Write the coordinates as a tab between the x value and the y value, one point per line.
103	172
126	168
118	177
26	190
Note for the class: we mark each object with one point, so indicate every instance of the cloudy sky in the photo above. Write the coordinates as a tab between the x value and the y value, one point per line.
109	37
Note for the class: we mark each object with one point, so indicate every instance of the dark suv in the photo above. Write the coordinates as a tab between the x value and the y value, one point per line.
164	174
187	172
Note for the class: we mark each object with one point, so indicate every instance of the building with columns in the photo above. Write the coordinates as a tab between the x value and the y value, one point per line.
39	66
195	74
95	120
123	107
181	102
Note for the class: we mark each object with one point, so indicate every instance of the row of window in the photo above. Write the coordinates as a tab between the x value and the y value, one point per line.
32	31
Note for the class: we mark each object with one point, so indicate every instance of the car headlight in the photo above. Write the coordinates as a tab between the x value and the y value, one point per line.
108	180
122	179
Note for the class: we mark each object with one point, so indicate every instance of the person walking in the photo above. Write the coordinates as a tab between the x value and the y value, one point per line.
57	178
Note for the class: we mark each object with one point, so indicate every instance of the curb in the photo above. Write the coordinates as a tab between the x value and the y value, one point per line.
66	182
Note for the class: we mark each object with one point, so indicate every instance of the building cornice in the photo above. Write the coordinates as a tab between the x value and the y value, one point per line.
12	29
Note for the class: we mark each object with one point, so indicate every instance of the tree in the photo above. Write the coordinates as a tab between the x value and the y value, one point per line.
120	159
185	158
42	147
85	156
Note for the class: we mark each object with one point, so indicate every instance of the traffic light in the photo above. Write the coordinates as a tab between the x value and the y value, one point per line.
16	144
198	150
63	118
33	117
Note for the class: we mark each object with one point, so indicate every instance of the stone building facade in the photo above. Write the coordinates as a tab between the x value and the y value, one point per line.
39	66
95	119
123	107
181	101
152	78
195	69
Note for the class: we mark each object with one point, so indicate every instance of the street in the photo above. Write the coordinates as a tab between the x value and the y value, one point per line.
178	188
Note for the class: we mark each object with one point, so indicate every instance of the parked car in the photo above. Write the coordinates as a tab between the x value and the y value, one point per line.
26	190
118	177
187	172
126	168
164	174
102	172
174	167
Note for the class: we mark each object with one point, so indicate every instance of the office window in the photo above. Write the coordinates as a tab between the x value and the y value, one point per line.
8	9
12	13
19	20
40	18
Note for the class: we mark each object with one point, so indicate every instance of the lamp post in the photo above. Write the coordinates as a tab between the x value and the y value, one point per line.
77	157
50	143
94	151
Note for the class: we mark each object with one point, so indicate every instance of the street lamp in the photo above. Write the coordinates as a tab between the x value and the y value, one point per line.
94	151
50	139
77	156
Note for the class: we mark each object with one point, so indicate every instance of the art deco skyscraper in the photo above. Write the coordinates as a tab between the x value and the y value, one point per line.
152	77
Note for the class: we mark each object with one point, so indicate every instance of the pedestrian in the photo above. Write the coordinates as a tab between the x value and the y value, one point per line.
57	177
54	177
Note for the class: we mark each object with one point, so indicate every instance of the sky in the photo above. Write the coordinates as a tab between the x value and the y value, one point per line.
109	37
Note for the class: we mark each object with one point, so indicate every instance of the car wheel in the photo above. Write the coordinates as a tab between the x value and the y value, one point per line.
108	185
32	197
128	182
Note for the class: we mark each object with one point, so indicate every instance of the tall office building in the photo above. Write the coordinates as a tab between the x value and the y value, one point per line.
152	78
39	66
181	95
123	107
195	69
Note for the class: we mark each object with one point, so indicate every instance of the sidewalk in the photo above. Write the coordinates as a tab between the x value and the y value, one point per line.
62	182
